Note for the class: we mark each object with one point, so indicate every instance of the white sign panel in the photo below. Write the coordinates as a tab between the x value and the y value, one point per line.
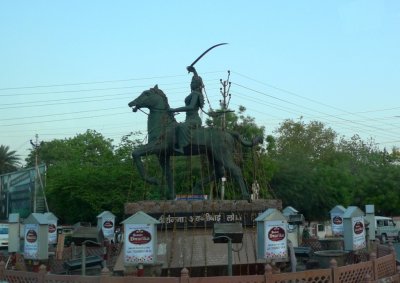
52	232
139	243
108	228
31	246
275	240
337	224
358	233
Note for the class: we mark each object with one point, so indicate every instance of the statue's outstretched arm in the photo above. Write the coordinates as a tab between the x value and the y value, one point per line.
193	105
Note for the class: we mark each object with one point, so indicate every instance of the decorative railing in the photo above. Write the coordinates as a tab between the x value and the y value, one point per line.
375	270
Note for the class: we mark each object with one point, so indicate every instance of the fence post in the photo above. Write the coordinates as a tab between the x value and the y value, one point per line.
105	275
267	273
42	273
334	267
372	258
184	275
392	249
2	270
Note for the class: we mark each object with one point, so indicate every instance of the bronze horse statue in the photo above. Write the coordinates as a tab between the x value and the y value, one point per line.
216	144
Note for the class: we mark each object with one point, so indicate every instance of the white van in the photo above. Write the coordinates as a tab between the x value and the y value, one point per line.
3	235
385	228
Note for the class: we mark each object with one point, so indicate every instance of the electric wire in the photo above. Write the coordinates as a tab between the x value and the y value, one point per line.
369	125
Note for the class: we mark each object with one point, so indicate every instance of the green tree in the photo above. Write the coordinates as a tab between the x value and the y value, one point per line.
306	176
375	175
9	159
85	177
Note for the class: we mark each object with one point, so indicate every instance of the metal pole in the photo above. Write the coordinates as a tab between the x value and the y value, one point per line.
83	259
229	252
223	179
229	256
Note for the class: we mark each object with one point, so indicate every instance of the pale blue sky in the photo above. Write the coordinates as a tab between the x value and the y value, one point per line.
68	66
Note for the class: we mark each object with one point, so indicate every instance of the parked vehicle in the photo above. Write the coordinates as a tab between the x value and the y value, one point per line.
3	235
385	229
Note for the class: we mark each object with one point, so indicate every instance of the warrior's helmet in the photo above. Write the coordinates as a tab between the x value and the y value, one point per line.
197	83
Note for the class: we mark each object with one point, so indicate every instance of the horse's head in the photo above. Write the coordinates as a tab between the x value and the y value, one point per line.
153	99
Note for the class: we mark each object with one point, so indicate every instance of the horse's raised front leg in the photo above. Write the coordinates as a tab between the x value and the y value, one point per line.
137	159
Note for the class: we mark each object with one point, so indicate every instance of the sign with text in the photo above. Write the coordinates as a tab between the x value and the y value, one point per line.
275	240
358	225
206	219
31	246
108	228
52	232
139	243
337	224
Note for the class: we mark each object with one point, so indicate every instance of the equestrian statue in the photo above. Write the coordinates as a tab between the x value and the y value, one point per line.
167	137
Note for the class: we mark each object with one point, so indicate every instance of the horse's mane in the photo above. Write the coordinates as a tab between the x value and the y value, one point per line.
165	98
161	93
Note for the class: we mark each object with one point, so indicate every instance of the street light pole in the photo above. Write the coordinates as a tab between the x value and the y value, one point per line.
83	257
229	252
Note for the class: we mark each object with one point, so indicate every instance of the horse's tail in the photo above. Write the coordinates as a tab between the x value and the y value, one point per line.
257	140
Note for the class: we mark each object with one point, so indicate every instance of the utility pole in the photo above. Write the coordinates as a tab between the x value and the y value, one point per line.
35	146
224	103
38	176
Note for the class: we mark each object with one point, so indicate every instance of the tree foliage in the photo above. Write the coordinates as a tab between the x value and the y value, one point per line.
9	160
306	165
316	171
85	176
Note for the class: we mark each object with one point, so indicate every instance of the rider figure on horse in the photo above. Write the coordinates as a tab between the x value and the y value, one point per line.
193	102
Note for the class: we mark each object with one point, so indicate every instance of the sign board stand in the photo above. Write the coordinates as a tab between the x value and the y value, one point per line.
354	229
140	241
272	236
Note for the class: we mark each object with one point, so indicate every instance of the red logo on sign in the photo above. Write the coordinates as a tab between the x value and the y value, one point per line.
31	236
337	220
139	237
108	224
276	234
52	228
358	227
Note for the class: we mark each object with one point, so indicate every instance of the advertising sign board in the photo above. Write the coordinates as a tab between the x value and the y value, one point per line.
276	240
139	243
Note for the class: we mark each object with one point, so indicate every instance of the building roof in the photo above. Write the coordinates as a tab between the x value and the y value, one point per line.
271	214
140	218
338	209
195	248
185	235
105	214
37	218
198	249
353	211
288	210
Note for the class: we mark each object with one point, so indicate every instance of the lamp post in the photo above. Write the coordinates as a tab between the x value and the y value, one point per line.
83	261
229	252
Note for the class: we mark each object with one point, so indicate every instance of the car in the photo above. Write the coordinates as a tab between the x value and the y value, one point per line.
385	229
3	235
